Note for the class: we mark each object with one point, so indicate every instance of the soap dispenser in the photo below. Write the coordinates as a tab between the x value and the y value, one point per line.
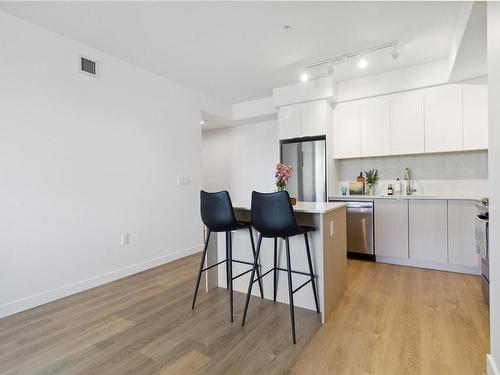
397	187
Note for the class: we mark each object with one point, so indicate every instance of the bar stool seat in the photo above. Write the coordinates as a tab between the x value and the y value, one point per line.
218	216
273	217
301	229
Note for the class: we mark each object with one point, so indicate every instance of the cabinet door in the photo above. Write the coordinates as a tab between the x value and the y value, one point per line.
475	117
289	119
443	119
346	131
315	116
375	127
391	228
428	225
461	233
407	123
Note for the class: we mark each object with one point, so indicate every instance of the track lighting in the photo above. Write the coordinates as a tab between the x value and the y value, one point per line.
330	69
362	63
394	53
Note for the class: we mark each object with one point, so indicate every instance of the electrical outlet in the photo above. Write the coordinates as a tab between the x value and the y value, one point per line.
125	239
183	180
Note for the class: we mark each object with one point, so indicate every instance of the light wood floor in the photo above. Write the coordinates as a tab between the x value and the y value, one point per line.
392	320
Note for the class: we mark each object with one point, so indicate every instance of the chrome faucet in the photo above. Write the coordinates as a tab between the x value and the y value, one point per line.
409	190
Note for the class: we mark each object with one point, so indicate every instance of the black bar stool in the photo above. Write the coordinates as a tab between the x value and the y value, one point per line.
273	217
218	216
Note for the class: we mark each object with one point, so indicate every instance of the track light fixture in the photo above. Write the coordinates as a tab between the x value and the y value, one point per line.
362	63
330	69
394	53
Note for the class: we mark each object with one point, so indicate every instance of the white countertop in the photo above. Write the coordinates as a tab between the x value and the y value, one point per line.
302	207
437	197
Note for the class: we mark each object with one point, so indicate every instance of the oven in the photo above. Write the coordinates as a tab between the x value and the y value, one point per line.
483	246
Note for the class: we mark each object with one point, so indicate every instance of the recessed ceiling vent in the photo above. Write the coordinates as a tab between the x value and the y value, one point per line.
88	66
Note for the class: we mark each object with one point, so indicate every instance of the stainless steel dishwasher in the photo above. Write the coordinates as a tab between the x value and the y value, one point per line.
360	230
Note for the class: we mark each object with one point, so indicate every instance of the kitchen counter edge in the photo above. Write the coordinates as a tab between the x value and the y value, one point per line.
301	207
416	197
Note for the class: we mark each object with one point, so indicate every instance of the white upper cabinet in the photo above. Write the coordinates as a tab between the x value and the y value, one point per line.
428	230
438	119
315	118
289	118
443	118
407	123
475	117
375	121
346	130
304	120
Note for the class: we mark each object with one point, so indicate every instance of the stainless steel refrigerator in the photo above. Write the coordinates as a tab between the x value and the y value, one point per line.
307	156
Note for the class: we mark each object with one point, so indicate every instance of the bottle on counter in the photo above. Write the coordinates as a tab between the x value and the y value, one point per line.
397	187
361	179
390	190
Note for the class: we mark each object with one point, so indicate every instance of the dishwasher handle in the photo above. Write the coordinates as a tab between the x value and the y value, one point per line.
360	205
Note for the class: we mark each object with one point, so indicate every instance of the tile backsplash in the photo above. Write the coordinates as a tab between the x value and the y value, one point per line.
458	173
445	166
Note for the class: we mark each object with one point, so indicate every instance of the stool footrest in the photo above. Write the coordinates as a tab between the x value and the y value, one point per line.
243	273
285	270
225	260
298	272
243	262
213	265
261	276
300	287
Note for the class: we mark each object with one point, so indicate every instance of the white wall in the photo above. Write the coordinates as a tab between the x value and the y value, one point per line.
240	159
494	175
216	159
254	108
83	160
414	77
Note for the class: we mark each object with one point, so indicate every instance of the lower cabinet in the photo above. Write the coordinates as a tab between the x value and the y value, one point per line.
391	228
430	233
428	230
461	233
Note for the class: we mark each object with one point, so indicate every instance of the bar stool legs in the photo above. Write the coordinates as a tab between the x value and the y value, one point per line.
227	258
201	269
290	289
313	281
250	284
230	277
254	255
275	273
289	272
229	269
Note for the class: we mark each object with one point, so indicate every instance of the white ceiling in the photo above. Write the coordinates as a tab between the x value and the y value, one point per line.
238	51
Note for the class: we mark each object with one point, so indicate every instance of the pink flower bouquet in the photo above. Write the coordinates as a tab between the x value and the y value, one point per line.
283	173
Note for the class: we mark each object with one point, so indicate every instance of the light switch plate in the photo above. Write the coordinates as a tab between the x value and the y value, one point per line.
125	239
331	228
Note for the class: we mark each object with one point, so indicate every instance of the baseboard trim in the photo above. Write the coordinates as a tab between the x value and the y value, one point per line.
26	303
429	265
491	365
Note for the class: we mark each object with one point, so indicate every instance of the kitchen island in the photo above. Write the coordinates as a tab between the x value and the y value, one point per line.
328	250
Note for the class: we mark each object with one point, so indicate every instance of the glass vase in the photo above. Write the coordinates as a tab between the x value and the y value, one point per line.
370	189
